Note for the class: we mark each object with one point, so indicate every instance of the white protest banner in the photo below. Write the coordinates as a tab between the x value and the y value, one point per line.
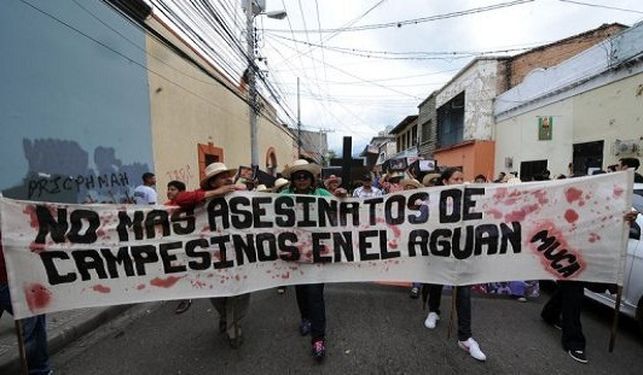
65	256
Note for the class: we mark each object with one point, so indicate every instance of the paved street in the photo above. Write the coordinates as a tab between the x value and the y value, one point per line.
372	329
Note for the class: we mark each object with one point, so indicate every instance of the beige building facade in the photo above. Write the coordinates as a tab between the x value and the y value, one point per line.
196	120
576	117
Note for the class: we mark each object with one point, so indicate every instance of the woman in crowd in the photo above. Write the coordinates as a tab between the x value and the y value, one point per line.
462	294
310	297
217	183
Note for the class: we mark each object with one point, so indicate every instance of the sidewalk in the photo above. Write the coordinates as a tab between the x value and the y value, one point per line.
62	328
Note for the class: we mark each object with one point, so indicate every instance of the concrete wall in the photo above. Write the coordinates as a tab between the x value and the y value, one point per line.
610	112
189	108
479	82
74	113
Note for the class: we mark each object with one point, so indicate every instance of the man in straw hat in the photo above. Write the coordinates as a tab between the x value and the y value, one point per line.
310	297
216	183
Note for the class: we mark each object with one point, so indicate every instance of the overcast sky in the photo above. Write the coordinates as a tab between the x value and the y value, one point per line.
358	95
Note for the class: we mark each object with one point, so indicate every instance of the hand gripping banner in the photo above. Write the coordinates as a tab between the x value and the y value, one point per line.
66	256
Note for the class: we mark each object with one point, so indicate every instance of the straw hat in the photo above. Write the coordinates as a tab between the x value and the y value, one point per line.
412	182
213	170
302	165
427	179
263	189
281	183
331	179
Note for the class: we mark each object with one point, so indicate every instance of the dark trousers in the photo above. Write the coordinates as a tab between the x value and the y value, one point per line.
567	300
310	299
462	307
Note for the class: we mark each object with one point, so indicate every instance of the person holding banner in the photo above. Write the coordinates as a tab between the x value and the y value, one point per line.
310	297
462	294
216	183
173	189
34	329
563	311
281	184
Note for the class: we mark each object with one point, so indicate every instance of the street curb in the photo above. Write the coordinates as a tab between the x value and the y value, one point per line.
68	334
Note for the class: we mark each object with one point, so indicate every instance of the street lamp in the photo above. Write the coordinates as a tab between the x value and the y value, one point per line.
254	8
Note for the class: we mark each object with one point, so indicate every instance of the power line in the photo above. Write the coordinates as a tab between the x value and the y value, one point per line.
415	21
331	36
601	6
359	78
411	54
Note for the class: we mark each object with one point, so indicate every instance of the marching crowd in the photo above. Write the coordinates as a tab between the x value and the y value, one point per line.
303	177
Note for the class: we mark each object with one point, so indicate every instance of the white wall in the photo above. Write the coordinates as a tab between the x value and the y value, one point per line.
610	112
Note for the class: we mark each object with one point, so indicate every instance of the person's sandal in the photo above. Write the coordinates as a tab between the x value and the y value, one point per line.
183	306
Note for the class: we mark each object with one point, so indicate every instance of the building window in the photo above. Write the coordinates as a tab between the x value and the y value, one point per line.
399	143
451	121
208	154
414	135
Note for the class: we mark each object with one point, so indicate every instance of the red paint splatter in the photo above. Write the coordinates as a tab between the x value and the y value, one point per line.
33	218
100	232
573	194
197	283
520	215
165	283
236	277
285	275
571	216
495	213
396	231
324	250
392	244
617	191
593	237
37	247
101	288
140	286
541	195
500	194
38	297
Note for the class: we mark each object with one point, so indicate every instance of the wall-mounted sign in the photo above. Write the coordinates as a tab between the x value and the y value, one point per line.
545	125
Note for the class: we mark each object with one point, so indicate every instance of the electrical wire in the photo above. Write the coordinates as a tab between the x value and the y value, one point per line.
601	6
415	21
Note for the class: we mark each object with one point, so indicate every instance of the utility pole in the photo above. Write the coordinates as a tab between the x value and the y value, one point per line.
252	89
252	9
298	122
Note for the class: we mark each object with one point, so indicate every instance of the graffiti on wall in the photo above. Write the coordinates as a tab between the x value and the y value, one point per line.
59	170
183	174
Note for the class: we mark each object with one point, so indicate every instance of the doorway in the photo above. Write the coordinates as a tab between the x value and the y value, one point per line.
587	155
530	169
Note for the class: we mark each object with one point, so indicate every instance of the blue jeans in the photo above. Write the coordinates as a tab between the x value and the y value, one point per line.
34	334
